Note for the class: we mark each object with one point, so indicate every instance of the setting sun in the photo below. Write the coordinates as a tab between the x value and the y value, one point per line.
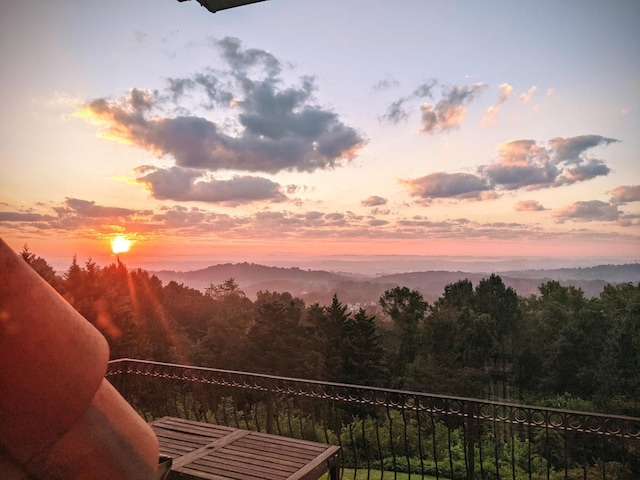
120	244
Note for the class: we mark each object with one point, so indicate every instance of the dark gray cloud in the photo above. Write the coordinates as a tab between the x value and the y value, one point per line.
512	177
140	100
183	184
446	185
374	201
590	211
625	194
584	171
571	150
277	127
241	60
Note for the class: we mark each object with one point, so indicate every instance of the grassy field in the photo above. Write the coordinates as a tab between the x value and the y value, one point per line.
348	474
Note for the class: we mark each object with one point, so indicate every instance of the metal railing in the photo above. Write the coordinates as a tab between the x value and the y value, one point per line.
386	432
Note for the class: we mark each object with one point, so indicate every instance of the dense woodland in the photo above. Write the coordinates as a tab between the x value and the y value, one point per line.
557	348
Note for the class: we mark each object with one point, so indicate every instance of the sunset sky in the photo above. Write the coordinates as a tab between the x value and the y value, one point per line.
301	127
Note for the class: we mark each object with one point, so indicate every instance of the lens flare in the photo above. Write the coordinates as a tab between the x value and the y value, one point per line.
120	244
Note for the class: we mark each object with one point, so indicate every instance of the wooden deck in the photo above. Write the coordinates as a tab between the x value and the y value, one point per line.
202	450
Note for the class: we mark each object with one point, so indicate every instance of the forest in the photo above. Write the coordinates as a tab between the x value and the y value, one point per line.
556	348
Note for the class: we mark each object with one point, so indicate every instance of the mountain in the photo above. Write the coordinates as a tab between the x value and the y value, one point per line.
320	285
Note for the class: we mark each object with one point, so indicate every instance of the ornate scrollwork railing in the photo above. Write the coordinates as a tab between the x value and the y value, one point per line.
381	429
469	408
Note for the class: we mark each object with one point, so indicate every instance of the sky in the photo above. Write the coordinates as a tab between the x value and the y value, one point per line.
298	128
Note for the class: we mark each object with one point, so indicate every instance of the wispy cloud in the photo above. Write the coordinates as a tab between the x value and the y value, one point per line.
450	111
446	114
398	110
490	116
385	84
374	201
527	96
529	206
76	218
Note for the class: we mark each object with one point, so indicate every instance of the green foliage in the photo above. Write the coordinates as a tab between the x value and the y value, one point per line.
483	341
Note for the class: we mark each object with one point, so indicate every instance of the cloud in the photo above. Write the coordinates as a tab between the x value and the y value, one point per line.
85	219
386	84
450	111
374	201
624	194
525	163
276	127
184	184
377	222
397	111
526	96
590	211
89	209
447	185
521	164
24	217
241	60
586	171
72	215
504	91
529	206
572	149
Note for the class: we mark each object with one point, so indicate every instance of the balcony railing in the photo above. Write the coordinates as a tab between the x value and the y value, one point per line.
383	431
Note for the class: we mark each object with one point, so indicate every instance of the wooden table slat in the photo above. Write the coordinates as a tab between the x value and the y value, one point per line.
214	452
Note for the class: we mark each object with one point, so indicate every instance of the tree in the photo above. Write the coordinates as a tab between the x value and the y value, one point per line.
493	298
188	308
458	342
228	317
42	268
407	310
362	351
561	342
276	339
330	329
497	306
619	372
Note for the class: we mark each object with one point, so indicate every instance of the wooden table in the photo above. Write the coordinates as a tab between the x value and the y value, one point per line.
203	450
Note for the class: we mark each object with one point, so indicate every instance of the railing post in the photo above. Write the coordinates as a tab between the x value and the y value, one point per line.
473	436
269	399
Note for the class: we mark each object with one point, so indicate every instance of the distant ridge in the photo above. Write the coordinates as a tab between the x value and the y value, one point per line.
320	285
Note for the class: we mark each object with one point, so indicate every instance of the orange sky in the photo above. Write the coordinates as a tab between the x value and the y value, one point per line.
232	136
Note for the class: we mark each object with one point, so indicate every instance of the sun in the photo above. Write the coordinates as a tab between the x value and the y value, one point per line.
120	244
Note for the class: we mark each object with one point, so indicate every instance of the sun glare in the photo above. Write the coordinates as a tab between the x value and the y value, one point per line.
120	244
